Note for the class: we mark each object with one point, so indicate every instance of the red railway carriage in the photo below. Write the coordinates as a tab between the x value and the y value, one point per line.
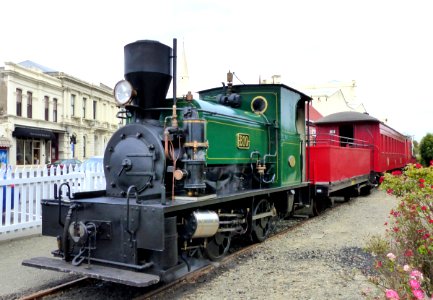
351	149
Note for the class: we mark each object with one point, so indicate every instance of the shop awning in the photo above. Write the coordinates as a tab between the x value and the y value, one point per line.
5	142
26	132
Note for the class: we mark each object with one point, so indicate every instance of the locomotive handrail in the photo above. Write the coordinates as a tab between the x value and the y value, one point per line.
211	113
60	199
128	230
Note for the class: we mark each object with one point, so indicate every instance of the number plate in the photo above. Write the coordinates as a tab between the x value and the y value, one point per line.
243	141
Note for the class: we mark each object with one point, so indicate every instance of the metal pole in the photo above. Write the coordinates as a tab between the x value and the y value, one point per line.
174	70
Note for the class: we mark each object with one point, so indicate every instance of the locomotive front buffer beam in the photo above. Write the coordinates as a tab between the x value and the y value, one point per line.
105	261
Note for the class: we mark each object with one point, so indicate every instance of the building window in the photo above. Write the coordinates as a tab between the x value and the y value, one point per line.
84	107
47	105
84	146
54	109
29	104
72	105
19	102
94	109
24	152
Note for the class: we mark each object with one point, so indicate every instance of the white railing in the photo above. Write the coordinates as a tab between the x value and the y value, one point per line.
22	189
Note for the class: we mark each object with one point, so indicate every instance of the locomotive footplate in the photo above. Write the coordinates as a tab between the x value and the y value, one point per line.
117	275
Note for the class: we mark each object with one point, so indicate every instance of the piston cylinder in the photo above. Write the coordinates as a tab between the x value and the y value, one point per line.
201	224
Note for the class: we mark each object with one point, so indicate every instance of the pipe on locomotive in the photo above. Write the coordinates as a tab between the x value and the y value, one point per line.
173	117
174	58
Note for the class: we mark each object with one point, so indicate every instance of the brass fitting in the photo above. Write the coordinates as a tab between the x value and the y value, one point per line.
260	168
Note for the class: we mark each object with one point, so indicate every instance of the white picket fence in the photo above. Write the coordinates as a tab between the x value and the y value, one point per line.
22	189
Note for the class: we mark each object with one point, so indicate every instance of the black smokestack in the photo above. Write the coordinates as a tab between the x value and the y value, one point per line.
148	69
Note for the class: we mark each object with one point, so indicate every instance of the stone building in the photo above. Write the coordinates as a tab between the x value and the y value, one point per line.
47	115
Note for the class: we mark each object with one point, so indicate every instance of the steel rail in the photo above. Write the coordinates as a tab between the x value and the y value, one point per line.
54	289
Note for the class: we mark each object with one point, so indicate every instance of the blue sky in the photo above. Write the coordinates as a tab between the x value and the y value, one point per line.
384	45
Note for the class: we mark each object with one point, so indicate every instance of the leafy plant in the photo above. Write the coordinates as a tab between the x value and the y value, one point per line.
404	258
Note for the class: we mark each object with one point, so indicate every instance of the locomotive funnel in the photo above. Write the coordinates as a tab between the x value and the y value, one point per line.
148	69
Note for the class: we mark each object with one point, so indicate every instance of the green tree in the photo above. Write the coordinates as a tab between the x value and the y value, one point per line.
426	149
416	150
415	147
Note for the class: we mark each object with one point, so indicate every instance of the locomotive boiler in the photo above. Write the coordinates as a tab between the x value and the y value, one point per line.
183	176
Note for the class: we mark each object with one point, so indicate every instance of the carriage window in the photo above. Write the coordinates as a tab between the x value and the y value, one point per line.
346	135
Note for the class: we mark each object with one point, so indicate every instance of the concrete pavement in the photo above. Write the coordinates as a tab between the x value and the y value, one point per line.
17	280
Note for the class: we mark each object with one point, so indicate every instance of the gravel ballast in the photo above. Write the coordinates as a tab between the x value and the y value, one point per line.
321	259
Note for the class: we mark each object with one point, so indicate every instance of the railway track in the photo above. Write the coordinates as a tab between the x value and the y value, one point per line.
64	289
55	289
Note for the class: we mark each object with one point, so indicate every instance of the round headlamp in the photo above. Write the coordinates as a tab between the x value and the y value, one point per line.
123	92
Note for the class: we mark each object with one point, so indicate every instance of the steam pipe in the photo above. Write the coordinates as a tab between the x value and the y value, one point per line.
276	145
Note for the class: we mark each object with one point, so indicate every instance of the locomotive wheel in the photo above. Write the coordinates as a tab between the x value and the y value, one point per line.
262	227
218	246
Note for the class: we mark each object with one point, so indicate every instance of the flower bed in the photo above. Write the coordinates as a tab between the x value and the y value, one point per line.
404	258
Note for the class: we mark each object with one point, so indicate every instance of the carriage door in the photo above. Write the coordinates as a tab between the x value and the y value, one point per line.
346	135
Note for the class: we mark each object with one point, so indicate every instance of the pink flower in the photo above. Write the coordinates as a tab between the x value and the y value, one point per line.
421	185
414	284
421	180
419	294
415	274
423	207
406	268
389	191
408	253
395	213
391	256
418	166
431	162
391	294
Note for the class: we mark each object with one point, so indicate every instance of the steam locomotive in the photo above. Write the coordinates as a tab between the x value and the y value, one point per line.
183	176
